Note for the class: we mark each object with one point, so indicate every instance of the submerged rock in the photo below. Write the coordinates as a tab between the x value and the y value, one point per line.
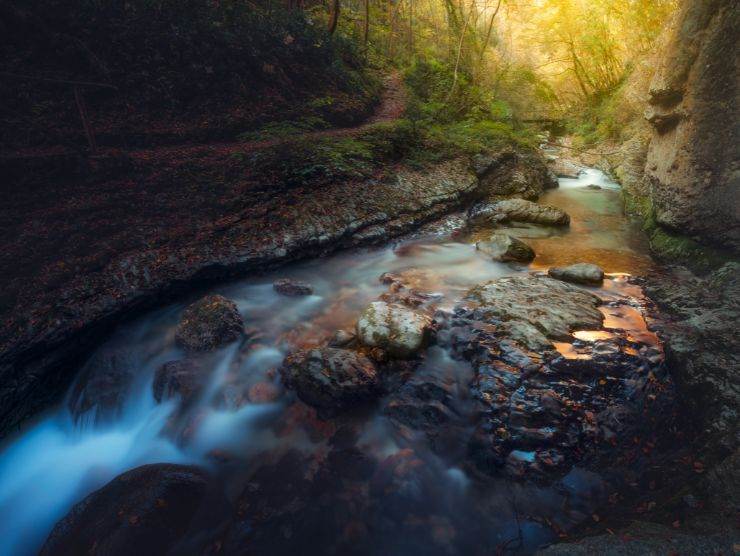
518	210
103	384
184	378
331	379
143	511
400	331
505	248
579	273
292	288
209	323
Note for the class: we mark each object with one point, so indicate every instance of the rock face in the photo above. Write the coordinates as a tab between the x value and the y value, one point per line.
331	379
579	273
518	210
144	511
535	310
693	159
504	248
702	350
400	331
209	323
292	288
513	173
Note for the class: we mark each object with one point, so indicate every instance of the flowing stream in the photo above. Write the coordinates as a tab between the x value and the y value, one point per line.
57	460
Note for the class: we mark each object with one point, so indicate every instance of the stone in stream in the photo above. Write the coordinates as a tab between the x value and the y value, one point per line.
184	378
399	330
331	379
536	412
104	381
513	173
143	511
535	310
579	273
517	210
292	288
565	168
209	323
505	248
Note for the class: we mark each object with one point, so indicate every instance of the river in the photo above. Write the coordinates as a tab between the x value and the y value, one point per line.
57	459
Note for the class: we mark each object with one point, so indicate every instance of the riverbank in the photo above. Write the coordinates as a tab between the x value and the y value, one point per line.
107	248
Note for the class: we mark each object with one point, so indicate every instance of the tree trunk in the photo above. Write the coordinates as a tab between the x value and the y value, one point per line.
366	30
333	16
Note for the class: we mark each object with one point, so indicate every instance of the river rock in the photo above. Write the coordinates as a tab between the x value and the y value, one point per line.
400	331
184	378
517	210
143	511
536	410
565	168
209	323
534	310
513	173
579	273
104	381
331	379
505	248
292	288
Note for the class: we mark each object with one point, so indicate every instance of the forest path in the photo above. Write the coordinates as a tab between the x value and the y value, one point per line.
391	107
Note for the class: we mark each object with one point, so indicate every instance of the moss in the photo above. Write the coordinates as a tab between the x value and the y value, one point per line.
670	246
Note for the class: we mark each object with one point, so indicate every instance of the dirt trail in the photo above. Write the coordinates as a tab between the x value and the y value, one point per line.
391	107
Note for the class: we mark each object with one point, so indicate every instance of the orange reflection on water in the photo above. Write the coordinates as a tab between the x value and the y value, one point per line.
593	335
631	320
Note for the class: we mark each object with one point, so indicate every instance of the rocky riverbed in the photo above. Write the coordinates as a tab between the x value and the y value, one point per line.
427	395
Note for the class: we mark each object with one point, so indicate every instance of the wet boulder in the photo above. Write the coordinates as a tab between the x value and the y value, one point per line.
580	273
209	323
104	381
143	511
292	288
514	173
541	402
397	329
565	168
331	379
517	210
505	248
535	310
184	378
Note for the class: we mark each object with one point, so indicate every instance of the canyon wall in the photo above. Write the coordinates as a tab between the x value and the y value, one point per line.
692	169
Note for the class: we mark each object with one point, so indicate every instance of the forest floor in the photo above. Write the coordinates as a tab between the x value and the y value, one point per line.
391	107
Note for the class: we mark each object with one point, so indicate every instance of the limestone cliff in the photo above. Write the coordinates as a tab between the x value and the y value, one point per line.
692	171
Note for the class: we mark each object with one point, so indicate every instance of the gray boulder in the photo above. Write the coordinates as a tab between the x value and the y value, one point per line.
535	310
400	331
504	248
580	273
518	210
331	379
292	288
565	168
209	323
